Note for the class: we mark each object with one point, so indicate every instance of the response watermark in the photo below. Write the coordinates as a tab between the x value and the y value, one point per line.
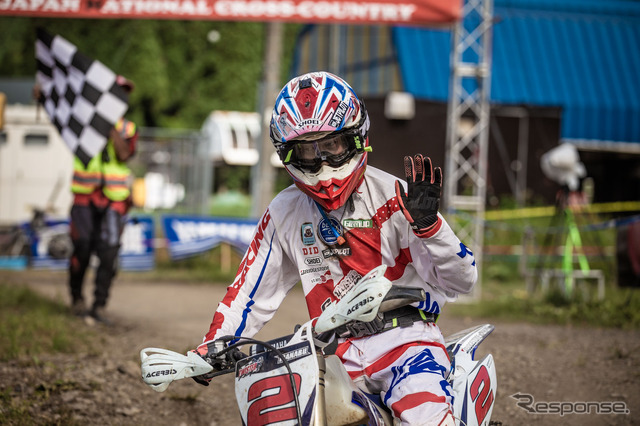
563	408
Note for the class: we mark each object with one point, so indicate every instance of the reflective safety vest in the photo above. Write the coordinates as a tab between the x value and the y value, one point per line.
105	170
86	179
115	173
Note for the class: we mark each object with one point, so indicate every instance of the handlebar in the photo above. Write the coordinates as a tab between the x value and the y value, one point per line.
365	302
224	362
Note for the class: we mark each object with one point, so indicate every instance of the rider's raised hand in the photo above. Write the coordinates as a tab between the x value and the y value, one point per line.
420	205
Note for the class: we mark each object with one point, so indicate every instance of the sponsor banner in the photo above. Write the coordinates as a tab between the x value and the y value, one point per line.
395	12
190	235
136	253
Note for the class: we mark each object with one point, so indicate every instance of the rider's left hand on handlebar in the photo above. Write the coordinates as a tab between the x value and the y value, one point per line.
420	205
209	351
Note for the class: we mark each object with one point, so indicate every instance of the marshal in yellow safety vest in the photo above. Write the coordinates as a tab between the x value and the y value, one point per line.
105	171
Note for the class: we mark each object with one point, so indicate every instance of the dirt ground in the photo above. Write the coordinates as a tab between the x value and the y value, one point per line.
550	363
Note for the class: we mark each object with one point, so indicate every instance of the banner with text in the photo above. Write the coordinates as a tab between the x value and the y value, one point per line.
391	12
136	253
190	235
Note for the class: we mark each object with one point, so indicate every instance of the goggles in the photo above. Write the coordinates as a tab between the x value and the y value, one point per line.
334	150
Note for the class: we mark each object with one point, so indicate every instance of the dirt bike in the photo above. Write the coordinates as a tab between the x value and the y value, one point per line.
324	393
39	235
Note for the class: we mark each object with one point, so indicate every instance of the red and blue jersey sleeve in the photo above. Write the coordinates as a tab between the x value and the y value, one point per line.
262	282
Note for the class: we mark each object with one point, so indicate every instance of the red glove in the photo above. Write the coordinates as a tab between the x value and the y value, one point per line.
420	206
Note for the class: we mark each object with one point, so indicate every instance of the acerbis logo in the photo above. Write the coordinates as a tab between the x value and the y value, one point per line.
161	373
360	304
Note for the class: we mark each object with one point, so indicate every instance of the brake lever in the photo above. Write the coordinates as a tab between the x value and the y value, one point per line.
221	372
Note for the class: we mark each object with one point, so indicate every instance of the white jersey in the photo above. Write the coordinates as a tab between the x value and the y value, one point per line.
296	241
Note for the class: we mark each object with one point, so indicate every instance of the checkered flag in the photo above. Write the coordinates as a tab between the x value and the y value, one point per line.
80	95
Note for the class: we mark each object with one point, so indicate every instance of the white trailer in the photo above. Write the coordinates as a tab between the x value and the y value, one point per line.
35	166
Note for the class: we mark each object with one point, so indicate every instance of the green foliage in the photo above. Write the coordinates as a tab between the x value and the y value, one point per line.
31	325
232	178
504	296
13	412
231	204
218	265
283	180
180	76
552	228
621	309
232	186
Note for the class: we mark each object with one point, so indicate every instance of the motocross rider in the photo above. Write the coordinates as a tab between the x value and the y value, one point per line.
338	221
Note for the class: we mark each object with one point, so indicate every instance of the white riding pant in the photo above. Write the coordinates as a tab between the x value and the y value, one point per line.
407	367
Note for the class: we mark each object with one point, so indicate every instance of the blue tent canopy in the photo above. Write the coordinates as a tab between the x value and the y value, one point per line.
580	55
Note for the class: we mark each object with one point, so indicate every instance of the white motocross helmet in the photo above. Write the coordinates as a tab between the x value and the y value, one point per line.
320	128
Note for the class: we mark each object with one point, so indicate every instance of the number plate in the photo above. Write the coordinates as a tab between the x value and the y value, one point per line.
264	389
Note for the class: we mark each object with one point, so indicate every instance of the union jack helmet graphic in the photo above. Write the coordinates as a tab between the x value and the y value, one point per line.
320	128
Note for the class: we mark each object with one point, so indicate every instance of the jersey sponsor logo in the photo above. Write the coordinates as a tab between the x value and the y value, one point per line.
321	279
252	251
324	268
310	251
334	251
346	284
307	235
357	223
326	229
313	261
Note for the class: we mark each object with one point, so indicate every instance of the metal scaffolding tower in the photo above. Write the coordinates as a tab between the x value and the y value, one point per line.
468	125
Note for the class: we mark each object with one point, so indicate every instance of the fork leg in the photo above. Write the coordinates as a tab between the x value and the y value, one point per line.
320	414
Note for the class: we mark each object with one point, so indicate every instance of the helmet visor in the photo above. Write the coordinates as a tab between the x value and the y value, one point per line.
334	150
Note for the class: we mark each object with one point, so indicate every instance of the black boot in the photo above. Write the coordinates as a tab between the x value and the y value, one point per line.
98	314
